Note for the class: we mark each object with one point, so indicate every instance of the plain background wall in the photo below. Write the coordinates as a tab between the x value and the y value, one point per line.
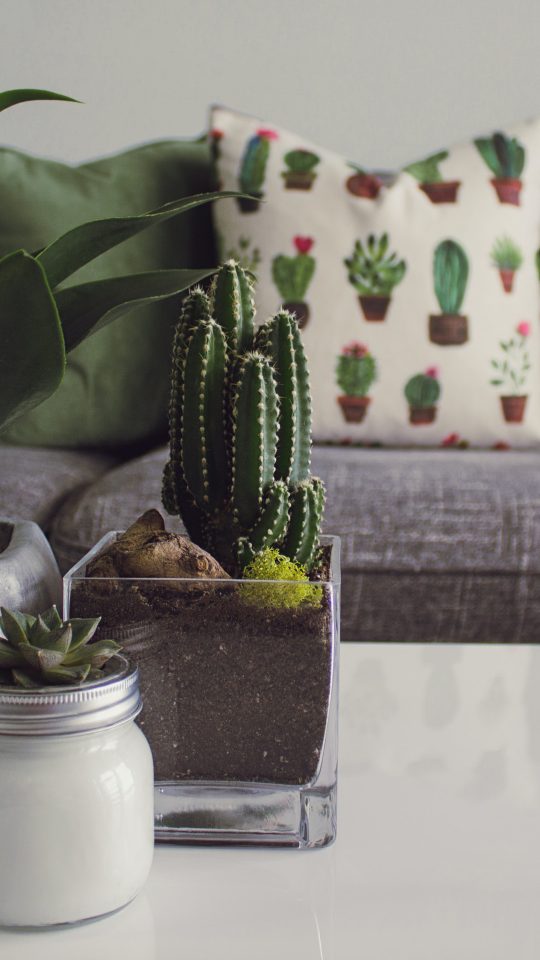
381	82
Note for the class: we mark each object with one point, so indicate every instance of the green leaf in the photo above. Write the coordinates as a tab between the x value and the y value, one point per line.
82	631
95	654
10	98
22	679
84	243
32	355
89	307
67	674
8	656
51	618
15	626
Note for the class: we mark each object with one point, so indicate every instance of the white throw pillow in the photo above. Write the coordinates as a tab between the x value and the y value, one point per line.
417	294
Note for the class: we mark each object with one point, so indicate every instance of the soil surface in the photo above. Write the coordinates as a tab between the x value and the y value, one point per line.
234	688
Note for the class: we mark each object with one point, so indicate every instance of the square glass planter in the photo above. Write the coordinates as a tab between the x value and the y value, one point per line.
240	687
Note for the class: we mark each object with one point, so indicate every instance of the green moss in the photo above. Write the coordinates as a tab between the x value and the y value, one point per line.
269	565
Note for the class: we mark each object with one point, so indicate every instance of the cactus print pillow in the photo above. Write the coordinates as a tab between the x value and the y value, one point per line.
417	294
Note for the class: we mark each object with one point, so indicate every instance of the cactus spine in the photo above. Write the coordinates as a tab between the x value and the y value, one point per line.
240	429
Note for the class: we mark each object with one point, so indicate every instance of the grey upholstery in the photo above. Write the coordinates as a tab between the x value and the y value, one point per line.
436	545
34	482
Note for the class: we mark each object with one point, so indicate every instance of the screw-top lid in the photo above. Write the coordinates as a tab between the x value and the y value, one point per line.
72	709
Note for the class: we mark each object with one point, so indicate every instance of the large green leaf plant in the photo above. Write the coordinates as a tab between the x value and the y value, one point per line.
40	323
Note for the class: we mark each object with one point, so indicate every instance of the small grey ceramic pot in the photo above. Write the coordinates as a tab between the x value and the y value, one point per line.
29	575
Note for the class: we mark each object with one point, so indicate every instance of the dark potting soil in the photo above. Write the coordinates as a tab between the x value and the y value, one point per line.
233	688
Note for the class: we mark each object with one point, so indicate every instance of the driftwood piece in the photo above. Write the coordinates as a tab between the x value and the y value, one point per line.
146	549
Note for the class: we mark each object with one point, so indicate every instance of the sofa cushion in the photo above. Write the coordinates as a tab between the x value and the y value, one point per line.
443	545
416	294
34	482
116	385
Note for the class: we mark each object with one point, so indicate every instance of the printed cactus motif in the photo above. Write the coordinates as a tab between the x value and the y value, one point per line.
356	371
292	277
240	429
505	157
300	173
374	272
431	181
253	168
246	254
422	392
507	258
450	275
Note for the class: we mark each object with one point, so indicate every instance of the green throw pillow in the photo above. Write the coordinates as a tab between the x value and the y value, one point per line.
115	390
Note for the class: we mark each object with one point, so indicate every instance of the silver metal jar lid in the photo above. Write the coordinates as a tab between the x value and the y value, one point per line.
72	709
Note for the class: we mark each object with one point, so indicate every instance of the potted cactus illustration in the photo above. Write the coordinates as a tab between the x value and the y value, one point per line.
253	169
507	257
450	274
356	370
363	184
374	272
511	373
292	276
430	179
422	392
300	173
505	157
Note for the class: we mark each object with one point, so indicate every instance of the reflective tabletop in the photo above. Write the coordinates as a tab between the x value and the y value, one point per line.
437	855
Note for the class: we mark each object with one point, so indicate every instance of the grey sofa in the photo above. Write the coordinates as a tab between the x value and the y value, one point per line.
439	545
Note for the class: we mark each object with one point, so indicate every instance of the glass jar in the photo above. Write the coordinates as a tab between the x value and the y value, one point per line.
76	800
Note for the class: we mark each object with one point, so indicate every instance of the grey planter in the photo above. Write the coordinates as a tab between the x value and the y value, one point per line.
29	575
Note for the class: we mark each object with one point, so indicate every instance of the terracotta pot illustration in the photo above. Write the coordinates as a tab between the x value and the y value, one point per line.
448	329
247	205
507	278
442	192
354	408
374	308
364	185
300	310
299	180
513	409
422	415
508	189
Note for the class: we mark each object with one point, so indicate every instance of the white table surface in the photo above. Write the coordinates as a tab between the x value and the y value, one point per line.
437	855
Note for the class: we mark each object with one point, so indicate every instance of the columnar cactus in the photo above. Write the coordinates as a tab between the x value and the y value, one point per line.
240	429
450	275
253	165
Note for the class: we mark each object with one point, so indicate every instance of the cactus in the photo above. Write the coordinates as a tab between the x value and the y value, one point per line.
505	157
300	173
240	429
450	274
427	171
423	390
356	370
372	270
254	161
292	275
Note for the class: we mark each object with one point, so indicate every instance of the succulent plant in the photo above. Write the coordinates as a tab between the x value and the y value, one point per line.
248	256
254	161
504	156
240	429
423	390
506	255
450	274
427	171
293	275
356	370
42	651
373	271
301	161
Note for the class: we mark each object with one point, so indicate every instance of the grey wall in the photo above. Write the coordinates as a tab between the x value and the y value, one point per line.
381	82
